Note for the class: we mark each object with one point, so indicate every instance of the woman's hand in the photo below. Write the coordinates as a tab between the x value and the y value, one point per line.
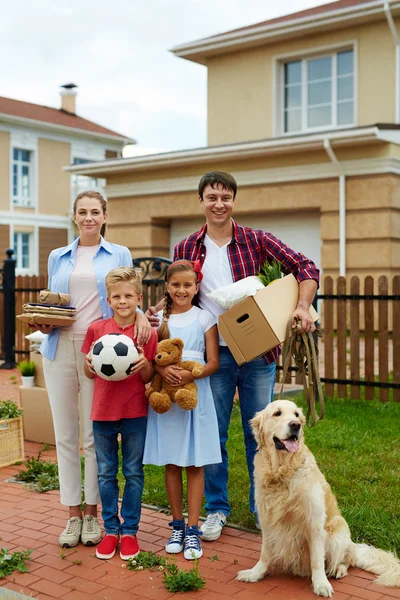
43	328
142	330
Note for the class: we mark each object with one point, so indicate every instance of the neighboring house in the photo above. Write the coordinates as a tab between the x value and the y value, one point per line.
36	194
305	111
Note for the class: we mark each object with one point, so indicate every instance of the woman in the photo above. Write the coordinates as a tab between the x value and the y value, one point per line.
80	270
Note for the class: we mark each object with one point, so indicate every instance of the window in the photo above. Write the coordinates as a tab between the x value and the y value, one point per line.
319	92
21	250
22	177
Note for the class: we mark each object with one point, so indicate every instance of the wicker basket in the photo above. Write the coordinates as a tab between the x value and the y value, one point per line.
11	441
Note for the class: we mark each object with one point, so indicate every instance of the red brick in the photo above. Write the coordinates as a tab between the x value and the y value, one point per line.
352	590
51	589
112	594
54	575
56	562
83	585
24	579
389	592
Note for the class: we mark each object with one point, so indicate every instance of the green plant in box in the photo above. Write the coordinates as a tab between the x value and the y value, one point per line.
269	272
9	410
27	368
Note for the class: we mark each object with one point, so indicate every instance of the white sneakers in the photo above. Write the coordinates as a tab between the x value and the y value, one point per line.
212	526
86	531
72	533
91	532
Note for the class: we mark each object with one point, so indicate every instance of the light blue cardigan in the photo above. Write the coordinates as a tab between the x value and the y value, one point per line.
60	266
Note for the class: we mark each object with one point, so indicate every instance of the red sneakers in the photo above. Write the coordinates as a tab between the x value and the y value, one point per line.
107	547
129	547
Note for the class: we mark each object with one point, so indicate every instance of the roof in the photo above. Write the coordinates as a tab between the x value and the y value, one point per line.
375	133
333	15
53	116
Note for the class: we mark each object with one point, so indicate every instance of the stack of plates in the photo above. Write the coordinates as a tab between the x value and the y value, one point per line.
47	314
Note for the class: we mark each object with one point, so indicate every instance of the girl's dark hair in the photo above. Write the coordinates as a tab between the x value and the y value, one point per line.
216	178
179	266
96	196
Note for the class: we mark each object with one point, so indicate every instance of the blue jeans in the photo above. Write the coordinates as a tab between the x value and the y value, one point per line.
255	381
133	435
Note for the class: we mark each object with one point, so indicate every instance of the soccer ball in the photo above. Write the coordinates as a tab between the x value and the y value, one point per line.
113	355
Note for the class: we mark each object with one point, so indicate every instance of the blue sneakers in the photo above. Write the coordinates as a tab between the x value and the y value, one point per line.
192	543
175	542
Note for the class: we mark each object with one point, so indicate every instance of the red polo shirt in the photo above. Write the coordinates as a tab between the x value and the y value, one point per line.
114	400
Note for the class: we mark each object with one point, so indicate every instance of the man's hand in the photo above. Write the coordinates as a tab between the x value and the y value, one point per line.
152	316
303	316
139	362
142	329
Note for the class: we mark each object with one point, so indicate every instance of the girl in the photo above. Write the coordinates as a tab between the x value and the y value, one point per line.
79	269
181	438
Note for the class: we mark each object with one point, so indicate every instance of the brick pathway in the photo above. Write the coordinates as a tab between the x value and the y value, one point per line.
31	520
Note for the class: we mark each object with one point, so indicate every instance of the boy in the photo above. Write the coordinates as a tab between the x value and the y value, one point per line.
120	407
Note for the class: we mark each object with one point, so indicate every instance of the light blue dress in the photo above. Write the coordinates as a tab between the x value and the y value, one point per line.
186	437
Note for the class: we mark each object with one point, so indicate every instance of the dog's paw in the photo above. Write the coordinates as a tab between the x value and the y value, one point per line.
323	588
250	575
341	571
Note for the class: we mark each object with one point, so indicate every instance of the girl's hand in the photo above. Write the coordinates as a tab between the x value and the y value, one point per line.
42	328
142	330
89	364
186	377
171	374
140	362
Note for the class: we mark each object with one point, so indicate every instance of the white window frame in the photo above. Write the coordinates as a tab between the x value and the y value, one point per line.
278	87
19	199
31	269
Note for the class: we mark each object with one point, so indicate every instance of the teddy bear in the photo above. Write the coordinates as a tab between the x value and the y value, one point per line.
160	393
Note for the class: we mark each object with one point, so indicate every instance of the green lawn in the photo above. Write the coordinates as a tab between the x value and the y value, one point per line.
357	447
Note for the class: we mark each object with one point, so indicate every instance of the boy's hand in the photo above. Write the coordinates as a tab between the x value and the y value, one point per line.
140	362
89	364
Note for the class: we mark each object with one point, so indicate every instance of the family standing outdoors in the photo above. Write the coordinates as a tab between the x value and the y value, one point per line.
220	253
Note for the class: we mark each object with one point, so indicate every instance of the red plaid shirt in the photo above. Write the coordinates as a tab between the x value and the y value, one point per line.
247	252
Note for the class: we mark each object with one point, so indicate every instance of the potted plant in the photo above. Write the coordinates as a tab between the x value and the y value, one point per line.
11	433
27	368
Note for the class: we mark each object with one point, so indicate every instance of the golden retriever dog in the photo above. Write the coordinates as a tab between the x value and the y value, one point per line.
303	532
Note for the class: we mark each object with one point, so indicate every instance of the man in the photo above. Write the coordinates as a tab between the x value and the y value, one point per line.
229	252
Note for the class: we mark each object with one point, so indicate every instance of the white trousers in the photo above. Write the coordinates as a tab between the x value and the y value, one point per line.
68	386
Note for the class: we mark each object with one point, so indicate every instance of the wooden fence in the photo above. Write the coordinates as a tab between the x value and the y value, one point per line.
360	352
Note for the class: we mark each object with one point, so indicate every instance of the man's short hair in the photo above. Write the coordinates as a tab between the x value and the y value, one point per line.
128	274
216	178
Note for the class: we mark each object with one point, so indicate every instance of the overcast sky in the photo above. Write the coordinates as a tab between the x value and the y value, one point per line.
117	51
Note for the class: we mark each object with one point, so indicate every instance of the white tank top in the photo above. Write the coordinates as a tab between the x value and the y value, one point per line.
83	290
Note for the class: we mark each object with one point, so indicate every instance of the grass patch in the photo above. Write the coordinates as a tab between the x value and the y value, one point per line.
357	448
13	561
40	475
175	579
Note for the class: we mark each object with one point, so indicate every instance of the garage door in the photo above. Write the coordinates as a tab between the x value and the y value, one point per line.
302	232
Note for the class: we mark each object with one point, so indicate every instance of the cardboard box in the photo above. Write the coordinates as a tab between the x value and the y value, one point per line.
37	417
36	357
259	323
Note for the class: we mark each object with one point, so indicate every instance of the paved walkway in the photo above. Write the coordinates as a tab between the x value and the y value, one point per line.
31	520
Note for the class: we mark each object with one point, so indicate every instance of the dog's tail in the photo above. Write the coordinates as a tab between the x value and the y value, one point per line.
379	562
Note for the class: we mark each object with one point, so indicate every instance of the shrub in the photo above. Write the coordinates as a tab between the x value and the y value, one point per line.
9	409
27	368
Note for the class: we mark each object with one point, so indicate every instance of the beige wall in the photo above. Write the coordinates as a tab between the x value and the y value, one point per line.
54	183
240	84
4	170
48	240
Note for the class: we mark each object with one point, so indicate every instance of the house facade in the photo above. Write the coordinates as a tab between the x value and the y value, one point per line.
36	194
304	110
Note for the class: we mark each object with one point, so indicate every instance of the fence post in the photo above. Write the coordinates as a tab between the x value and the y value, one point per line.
9	310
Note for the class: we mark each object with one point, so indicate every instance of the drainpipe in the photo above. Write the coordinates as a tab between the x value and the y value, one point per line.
396	39
342	207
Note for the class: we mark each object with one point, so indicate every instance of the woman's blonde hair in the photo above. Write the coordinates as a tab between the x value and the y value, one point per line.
128	274
96	196
179	266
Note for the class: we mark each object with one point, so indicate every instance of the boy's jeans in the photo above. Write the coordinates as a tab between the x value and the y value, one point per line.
133	435
255	382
